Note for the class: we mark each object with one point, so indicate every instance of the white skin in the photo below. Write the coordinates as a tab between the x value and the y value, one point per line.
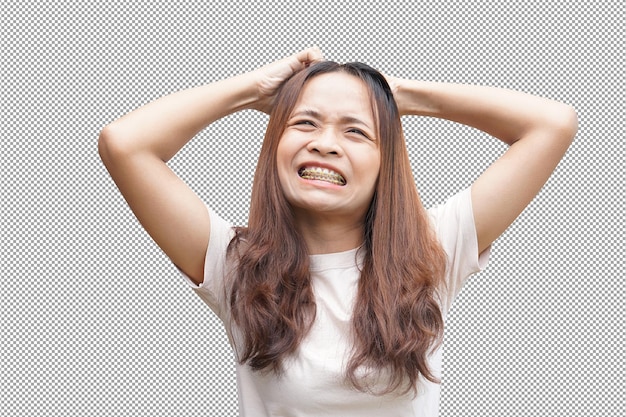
331	127
135	149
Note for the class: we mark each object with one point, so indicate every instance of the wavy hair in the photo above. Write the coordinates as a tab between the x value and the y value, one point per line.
397	321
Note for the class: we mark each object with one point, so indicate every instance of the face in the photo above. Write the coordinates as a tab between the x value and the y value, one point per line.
328	157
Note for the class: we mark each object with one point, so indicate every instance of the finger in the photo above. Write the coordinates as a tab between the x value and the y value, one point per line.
309	56
315	54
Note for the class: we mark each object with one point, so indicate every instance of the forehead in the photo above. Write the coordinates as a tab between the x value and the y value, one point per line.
336	94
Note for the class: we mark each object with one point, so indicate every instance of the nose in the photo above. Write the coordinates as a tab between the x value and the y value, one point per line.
325	143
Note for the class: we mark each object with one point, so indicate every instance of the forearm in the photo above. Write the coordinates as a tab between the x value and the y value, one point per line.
164	126
505	114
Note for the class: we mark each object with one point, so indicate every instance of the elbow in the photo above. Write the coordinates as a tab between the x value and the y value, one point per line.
567	124
105	145
559	127
111	145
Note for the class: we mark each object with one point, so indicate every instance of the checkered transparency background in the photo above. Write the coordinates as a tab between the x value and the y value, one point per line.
96	321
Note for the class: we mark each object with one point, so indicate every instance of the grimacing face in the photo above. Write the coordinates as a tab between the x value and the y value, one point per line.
328	157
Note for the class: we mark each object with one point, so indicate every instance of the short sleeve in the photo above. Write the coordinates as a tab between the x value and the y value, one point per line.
454	226
212	289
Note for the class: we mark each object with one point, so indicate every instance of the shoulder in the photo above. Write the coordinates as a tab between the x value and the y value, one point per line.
453	224
453	213
221	234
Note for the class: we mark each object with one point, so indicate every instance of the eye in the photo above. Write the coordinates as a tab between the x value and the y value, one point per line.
358	132
304	122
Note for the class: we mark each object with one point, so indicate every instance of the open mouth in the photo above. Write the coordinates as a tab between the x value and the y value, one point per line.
321	174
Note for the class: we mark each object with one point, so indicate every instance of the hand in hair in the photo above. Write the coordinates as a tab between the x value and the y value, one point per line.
394	84
271	76
404	94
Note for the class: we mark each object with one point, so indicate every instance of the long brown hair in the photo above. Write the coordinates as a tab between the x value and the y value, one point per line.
396	321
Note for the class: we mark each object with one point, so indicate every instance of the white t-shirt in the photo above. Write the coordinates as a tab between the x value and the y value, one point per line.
313	383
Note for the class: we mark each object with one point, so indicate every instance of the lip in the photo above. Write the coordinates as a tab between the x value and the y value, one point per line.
322	165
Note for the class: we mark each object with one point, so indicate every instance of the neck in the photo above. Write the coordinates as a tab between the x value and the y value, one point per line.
324	234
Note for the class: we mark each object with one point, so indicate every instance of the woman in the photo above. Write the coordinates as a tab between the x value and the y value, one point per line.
334	296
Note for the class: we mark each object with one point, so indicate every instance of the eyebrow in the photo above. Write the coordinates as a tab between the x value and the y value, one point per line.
318	115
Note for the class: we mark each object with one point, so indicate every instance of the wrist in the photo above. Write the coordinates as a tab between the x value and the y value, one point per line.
412	97
245	91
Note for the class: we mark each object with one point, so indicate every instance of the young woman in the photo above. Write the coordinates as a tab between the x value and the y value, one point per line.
334	296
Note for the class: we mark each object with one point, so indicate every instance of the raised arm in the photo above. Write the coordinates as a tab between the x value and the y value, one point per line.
136	147
539	132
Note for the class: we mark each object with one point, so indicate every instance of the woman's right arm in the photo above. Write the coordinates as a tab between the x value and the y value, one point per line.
136	147
135	150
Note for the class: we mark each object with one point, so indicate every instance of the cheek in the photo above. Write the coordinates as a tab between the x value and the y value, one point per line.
371	168
375	173
284	160
282	155
286	149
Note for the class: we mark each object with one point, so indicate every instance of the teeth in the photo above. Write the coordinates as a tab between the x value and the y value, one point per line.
322	174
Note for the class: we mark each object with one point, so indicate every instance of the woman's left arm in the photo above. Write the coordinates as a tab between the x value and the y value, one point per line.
537	130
